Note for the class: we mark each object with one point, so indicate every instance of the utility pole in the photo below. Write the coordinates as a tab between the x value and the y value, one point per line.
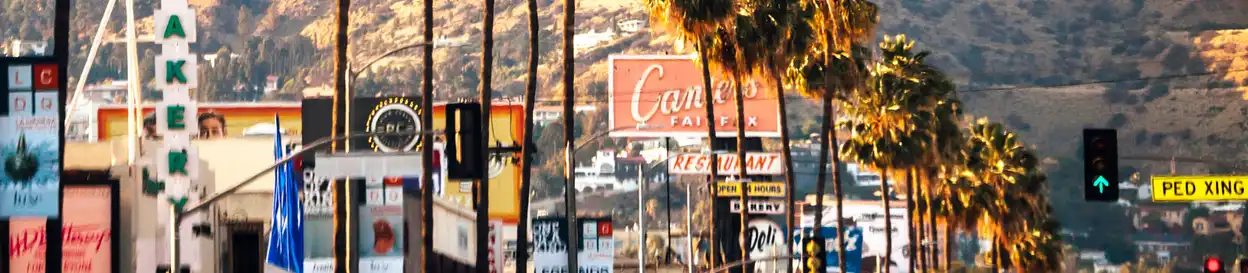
641	218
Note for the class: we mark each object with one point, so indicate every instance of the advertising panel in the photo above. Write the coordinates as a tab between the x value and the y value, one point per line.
853	248
869	217
87	234
393	113
550	247
662	96
755	163
381	227
30	144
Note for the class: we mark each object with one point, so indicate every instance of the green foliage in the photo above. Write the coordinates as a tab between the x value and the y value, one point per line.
1117	121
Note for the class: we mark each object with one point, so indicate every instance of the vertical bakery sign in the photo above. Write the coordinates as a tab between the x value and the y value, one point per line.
30	138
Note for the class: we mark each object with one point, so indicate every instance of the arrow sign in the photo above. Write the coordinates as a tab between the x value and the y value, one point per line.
1100	184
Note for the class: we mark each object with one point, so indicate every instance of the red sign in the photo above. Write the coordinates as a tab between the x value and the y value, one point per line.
86	234
45	77
653	96
604	228
755	163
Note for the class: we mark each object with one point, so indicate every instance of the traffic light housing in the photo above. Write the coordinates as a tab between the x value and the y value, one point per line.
1241	265
815	255
1100	165
464	141
1214	265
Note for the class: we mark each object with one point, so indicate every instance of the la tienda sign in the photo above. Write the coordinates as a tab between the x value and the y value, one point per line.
663	96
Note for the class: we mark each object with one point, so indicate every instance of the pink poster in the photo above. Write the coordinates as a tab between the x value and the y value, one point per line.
87	234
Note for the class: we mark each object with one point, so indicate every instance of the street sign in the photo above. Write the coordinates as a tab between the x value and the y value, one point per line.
758	206
760	189
1200	188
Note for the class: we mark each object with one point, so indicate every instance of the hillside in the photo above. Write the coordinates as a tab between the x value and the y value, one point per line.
994	45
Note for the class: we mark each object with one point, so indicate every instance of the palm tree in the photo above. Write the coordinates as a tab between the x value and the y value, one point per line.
1018	218
882	122
526	163
691	21
784	29
833	70
487	95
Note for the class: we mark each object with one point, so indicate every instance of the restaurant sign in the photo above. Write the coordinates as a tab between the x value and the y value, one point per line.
663	96
755	163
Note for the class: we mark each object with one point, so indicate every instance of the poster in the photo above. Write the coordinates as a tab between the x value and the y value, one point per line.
30	145
550	245
381	227
87	234
853	249
318	222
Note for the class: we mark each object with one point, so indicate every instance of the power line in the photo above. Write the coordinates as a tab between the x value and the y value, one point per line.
1070	84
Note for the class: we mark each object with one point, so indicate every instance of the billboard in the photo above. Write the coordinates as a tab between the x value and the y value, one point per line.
662	96
111	119
30	138
550	245
392	113
87	233
853	248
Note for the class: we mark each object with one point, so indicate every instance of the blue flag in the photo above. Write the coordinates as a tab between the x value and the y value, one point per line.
286	235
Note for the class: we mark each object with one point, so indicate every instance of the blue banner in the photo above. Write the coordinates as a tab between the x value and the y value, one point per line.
853	250
286	235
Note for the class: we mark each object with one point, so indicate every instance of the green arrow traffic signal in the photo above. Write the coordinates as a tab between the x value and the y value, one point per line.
1100	184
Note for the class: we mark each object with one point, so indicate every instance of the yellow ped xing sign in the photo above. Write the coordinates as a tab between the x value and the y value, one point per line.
760	189
1199	188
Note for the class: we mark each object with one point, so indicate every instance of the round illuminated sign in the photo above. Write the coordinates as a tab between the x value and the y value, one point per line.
394	115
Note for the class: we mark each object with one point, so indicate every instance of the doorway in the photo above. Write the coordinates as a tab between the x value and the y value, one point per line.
246	245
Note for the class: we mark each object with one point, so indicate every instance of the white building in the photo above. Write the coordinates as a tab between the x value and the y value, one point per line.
599	174
631	25
28	48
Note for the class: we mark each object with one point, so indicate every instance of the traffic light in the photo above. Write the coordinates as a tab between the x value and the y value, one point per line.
815	255
1214	265
1100	165
463	141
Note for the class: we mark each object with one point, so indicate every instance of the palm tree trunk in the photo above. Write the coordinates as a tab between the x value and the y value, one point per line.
708	95
816	228
911	223
526	152
888	222
744	178
427	194
950	230
569	135
836	186
787	156
487	95
933	229
996	254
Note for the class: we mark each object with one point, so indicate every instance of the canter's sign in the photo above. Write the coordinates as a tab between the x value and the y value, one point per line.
1199	188
760	189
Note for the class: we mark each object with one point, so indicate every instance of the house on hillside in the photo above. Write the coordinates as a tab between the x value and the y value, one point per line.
1165	246
1171	215
631	26
28	48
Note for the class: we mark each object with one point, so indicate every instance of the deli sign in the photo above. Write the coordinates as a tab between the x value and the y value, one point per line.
755	163
663	96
